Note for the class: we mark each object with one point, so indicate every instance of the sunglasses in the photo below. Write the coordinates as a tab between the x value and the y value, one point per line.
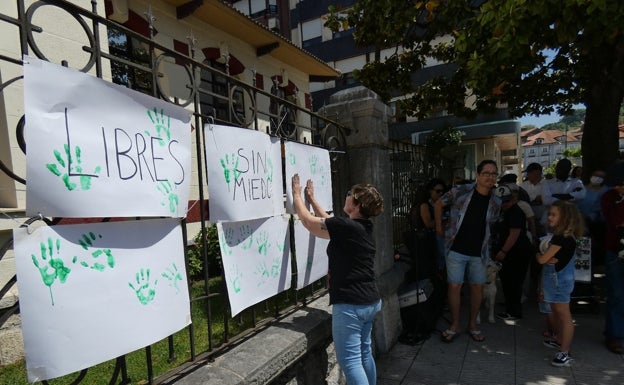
439	191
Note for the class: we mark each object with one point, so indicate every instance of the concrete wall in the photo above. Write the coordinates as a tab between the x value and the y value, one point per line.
294	350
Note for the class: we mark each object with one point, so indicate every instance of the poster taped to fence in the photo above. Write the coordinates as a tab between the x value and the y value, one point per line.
582	263
97	149
244	173
311	163
256	259
89	293
311	252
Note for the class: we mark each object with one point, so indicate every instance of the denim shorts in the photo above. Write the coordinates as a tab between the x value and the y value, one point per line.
557	286
459	266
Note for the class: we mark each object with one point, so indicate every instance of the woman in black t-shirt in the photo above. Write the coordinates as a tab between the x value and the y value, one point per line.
352	288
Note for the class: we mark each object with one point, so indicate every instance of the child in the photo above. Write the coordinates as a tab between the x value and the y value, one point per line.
558	272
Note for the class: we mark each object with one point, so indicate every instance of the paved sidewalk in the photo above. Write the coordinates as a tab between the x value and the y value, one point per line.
512	354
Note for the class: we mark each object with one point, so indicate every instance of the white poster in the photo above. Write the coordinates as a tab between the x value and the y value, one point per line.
311	253
311	163
93	292
97	149
582	261
244	174
256	259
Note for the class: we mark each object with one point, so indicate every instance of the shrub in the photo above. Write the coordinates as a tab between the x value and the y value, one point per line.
196	264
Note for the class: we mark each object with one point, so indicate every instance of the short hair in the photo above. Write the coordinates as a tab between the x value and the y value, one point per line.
483	163
369	198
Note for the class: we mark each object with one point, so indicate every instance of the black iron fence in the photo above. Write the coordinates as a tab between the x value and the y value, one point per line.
408	175
138	61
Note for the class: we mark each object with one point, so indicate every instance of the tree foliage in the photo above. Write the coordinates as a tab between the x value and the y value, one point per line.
535	56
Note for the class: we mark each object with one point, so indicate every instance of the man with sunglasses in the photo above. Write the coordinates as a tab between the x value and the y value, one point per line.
473	210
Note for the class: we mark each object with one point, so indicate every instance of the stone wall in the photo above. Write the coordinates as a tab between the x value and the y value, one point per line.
369	162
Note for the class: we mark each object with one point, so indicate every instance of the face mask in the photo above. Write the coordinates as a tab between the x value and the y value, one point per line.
596	180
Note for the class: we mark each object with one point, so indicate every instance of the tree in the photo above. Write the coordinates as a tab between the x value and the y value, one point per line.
535	56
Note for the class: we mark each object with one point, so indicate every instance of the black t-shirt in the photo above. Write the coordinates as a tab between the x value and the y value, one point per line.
565	254
469	238
512	218
351	253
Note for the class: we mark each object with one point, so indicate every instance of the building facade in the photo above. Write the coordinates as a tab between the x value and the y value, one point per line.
486	137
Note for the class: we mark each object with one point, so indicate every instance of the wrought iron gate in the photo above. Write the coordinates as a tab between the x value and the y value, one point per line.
135	60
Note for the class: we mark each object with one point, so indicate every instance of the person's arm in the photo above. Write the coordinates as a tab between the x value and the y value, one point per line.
577	191
425	215
437	213
316	207
514	233
547	197
548	256
533	230
315	225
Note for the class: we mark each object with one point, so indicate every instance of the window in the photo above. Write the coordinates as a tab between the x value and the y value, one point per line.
532	152
539	141
544	150
126	47
214	99
311	30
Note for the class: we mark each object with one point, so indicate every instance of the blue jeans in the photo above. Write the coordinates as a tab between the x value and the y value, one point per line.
614	325
351	329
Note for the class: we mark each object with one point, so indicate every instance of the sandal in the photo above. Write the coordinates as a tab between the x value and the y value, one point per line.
448	335
476	335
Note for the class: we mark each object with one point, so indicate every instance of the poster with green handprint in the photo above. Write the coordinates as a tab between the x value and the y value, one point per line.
311	251
91	142
244	174
311	163
256	259
101	287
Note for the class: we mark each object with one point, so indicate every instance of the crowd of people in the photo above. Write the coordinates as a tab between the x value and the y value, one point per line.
531	229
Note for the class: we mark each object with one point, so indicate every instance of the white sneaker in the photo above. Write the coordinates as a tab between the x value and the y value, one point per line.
551	344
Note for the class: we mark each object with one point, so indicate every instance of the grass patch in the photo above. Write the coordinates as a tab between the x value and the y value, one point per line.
136	362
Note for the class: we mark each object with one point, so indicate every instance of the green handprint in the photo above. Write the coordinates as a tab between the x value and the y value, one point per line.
162	124
71	170
313	163
56	265
263	242
280	246
167	189
236	281
230	168
226	240
145	294
262	272
173	275
292	159
269	170
87	241
246	235
323	177
276	267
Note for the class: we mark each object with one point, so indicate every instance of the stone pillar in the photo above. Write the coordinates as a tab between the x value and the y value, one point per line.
368	161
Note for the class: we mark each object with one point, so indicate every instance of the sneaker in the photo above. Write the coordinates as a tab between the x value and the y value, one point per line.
506	316
551	344
561	359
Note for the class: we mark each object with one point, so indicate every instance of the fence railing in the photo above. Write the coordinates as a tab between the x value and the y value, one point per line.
406	162
141	63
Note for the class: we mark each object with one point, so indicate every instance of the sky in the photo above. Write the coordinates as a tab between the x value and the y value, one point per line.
540	120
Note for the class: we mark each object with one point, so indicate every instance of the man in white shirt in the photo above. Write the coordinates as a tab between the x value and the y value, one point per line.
533	186
562	186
